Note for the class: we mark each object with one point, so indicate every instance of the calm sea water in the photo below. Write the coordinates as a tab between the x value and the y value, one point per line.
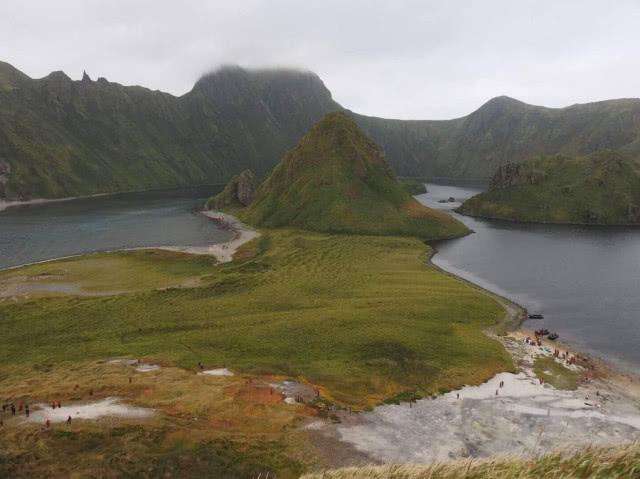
53	230
585	280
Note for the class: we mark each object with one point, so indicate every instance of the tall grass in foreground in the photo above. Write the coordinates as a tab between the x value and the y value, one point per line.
592	462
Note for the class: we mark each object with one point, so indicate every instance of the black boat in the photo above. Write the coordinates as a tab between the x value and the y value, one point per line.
553	336
536	316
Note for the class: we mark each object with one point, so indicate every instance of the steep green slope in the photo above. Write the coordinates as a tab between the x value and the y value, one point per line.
504	130
337	180
603	188
60	137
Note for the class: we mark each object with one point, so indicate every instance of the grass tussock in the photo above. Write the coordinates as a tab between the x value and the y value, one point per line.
593	463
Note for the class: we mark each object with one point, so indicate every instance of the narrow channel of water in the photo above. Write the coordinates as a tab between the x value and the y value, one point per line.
130	220
585	280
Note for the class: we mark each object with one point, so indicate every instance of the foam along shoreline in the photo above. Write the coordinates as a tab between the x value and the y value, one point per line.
223	252
4	204
108	407
509	414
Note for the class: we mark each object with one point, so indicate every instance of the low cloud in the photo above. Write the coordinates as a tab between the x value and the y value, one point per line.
403	59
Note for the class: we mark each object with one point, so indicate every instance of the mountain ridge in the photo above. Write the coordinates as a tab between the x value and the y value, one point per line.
63	137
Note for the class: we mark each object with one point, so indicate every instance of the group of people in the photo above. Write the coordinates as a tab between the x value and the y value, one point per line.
566	356
23	406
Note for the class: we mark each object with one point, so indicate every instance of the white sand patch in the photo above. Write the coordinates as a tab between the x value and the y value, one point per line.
314	426
123	361
217	372
145	368
4	204
223	252
107	407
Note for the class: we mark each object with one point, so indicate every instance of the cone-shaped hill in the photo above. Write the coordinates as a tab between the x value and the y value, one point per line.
337	180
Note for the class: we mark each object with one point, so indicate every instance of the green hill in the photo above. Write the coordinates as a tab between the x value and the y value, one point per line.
603	188
337	180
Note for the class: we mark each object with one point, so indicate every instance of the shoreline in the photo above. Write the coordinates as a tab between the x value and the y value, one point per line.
555	223
223	252
517	325
515	314
5	205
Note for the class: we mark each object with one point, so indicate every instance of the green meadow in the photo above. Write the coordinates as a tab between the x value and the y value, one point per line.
364	318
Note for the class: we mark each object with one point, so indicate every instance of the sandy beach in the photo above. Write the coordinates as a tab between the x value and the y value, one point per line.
222	251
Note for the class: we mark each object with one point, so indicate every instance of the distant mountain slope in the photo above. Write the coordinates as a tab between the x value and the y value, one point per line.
60	137
505	130
603	188
337	180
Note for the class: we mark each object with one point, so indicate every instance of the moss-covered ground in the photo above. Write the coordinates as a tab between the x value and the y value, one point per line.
555	373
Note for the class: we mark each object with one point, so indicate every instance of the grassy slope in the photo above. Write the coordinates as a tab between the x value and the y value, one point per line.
68	138
337	180
361	316
601	189
591	463
414	186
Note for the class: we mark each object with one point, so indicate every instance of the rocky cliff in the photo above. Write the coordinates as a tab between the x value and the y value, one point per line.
238	193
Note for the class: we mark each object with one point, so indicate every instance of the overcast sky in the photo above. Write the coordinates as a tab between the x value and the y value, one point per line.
399	59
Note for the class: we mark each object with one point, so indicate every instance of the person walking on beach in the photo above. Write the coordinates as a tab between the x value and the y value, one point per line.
69	420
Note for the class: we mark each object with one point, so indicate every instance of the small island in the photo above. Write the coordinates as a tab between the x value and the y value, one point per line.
600	189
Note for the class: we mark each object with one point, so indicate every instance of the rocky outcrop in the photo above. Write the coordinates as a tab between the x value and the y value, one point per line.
506	175
239	192
5	170
512	174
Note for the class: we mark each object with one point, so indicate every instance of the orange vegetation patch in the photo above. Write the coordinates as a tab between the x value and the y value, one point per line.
255	393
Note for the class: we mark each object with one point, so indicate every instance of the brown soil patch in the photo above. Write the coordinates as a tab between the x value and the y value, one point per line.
255	393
